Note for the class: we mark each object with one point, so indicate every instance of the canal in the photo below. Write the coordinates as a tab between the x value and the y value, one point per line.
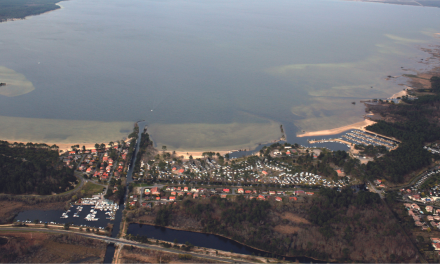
110	252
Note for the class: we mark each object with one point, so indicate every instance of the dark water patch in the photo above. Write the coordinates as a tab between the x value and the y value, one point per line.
202	240
109	253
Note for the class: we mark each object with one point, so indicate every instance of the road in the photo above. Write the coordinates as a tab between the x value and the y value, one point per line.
116	241
376	190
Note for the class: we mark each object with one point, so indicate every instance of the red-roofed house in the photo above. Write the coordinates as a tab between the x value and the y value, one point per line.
223	196
155	191
226	190
240	190
278	199
261	197
247	191
181	170
265	172
172	198
292	198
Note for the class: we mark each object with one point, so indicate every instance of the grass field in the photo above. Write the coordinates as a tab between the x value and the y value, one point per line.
91	189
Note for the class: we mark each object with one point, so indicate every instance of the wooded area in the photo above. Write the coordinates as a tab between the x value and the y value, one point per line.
415	124
19	9
33	168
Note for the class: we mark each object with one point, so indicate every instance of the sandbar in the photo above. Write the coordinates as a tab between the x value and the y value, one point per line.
338	130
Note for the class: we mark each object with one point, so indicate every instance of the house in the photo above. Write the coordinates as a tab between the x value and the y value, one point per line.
299	192
415	206
278	199
430	218
180	193
195	195
418	223
144	204
340	173
173	193
434	224
429	209
223	196
181	171
310	193
272	192
261	197
185	189
416	218
437	218
248	192
155	191
157	198
172	198
147	191
293	198
415	197
425	227
132	203
436	246
435	240
226	190
240	190
265	172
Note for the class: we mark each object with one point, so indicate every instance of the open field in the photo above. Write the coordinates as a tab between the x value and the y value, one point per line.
91	188
34	247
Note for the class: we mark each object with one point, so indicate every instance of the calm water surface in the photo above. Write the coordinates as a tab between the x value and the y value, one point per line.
204	74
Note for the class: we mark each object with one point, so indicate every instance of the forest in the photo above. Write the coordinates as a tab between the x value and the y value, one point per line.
33	169
415	123
332	226
19	9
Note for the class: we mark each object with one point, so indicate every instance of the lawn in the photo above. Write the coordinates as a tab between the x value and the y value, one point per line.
91	188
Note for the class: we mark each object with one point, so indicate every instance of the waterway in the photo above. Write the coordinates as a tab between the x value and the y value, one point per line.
207	75
202	240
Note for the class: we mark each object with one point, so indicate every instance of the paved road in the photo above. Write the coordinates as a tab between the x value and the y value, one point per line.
117	241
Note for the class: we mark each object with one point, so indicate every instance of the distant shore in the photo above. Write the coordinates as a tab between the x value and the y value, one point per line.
338	130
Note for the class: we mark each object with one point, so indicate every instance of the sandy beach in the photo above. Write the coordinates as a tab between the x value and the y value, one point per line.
338	130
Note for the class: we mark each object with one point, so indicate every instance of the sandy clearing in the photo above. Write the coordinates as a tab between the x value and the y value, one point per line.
338	130
294	218
286	229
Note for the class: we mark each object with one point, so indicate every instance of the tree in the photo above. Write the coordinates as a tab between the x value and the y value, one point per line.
97	146
102	146
164	148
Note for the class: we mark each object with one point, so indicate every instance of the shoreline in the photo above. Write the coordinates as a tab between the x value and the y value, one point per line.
62	146
334	131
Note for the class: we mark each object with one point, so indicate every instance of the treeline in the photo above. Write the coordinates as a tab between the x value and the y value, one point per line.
143	145
20	9
32	168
